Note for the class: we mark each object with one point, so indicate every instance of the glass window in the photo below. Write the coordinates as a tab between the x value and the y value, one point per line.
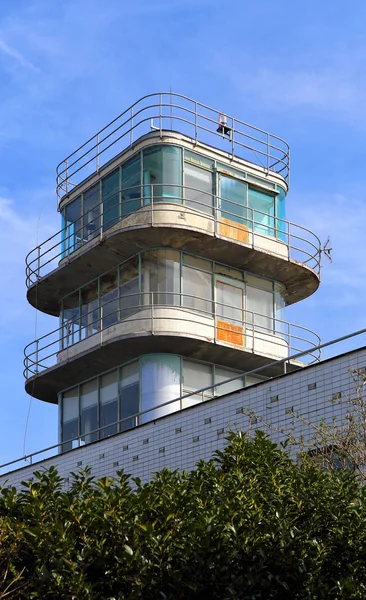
229	302
261	211
222	374
89	411
109	404
259	309
109	298
281	225
130	396
197	284
162	165
91	212
90	312
110	198
70	418
161	277
70	317
131	185
129	301
196	376
233	199
280	308
160	383
198	190
259	282
72	237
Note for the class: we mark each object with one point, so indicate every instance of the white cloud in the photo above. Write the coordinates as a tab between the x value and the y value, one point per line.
17	56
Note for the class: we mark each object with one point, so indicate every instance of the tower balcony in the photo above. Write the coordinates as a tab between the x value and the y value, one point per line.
242	233
165	322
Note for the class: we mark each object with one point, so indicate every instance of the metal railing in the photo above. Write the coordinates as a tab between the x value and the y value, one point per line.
229	219
207	393
246	330
174	112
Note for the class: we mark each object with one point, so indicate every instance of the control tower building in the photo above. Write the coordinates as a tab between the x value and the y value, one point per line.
171	271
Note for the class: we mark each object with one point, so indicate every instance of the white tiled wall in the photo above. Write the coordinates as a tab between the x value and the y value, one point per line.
179	440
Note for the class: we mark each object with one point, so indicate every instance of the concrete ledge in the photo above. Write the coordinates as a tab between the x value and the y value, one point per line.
175	226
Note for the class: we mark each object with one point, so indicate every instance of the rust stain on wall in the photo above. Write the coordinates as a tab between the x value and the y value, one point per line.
227	332
234	231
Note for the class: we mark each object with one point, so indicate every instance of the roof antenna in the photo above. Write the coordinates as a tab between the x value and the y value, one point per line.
326	250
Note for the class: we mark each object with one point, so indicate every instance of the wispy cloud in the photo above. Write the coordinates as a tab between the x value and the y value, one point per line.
17	56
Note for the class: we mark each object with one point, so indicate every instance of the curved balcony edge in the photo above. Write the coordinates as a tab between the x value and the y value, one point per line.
290	259
161	329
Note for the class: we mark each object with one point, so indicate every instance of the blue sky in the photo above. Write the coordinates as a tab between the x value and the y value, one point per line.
67	68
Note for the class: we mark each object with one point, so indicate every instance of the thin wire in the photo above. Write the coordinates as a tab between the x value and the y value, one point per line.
35	337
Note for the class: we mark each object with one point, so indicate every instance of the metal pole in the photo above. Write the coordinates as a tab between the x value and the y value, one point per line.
131	127
97	156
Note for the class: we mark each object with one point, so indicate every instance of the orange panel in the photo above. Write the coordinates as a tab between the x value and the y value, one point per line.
233	230
227	332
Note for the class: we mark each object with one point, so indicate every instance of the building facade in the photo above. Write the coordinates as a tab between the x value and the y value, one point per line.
170	273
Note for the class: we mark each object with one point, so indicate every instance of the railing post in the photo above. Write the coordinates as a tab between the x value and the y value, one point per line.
97	156
38	262
232	137
161	116
36	357
131	126
195	123
268	146
67	175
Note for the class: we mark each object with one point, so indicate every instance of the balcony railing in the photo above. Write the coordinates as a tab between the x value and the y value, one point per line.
222	323
219	216
170	111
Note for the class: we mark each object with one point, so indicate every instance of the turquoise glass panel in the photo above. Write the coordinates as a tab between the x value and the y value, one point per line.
281	226
91	212
162	174
110	199
131	185
261	212
72	228
233	199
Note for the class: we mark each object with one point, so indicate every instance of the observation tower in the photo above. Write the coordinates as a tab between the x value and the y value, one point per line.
171	270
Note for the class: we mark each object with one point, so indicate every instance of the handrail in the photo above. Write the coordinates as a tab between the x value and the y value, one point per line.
42	353
199	121
256	371
303	245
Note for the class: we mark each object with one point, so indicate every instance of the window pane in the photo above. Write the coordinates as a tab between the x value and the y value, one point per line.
229	303
129	288
70	319
160	383
131	182
195	377
161	277
90	309
162	165
108	404
109	298
198	191
197	289
130	396
221	374
259	309
110	197
91	212
89	411
233	199
261	212
70	418
281	216
72	230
